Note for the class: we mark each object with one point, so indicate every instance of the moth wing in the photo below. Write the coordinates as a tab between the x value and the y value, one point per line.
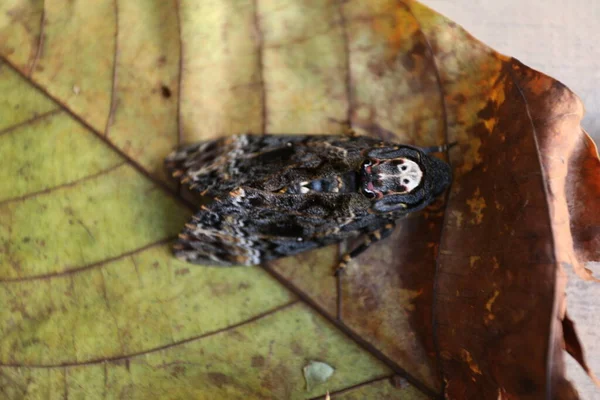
250	226
266	162
220	165
203	166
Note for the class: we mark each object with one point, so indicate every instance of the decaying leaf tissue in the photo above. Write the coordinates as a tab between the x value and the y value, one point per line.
279	195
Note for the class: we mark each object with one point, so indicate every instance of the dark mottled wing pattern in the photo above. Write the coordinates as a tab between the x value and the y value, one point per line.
278	195
251	218
267	162
249	226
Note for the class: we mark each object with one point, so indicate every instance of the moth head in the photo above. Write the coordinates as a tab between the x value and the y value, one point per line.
402	178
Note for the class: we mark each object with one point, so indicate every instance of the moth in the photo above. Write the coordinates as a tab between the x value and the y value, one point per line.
274	196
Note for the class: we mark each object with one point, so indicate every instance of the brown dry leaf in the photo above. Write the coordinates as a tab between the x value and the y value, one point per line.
466	297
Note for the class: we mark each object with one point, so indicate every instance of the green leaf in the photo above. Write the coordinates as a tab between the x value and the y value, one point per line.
94	95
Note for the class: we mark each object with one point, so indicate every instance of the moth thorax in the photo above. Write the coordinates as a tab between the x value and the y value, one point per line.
409	174
399	175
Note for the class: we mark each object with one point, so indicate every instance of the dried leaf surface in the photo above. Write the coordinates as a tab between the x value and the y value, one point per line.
467	297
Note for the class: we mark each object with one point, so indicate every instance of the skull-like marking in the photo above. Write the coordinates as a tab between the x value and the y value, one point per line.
410	174
393	176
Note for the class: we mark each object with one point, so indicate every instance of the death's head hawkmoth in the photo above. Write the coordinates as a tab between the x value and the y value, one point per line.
273	196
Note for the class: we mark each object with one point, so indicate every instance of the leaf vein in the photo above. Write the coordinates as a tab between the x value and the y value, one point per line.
40	43
260	47
62	186
113	89
127	357
75	270
32	120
